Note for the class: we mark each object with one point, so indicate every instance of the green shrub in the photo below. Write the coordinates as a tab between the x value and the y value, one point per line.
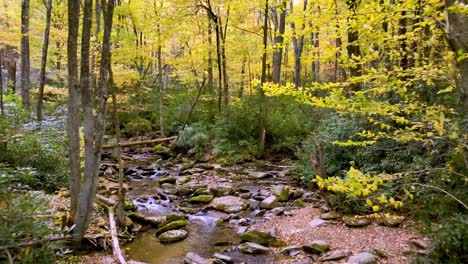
137	126
451	239
193	139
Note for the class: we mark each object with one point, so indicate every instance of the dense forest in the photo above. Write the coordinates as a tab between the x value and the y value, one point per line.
232	131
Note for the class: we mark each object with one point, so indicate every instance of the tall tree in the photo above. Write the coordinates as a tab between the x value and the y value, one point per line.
262	117
353	47
279	21
73	119
45	48
25	59
298	46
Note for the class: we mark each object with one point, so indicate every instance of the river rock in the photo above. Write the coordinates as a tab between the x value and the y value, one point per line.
224	258
171	226
259	237
317	222
205	166
175	217
253	248
201	199
363	258
269	203
290	250
329	216
173	236
170	180
221	190
192	258
391	220
154	221
355	221
280	191
316	247
229	204
335	255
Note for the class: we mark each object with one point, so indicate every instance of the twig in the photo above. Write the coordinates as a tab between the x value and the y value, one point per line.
10	258
444	191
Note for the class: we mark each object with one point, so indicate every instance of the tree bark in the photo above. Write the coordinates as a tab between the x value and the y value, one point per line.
73	118
280	26
160	85
1	83
262	116
353	43
45	48
25	60
298	46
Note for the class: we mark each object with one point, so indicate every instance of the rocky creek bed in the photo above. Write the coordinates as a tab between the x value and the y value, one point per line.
201	212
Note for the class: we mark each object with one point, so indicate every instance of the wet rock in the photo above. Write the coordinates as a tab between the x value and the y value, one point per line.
253	248
316	247
173	236
317	222
335	255
245	195
280	191
290	250
221	190
269	202
185	191
329	216
355	221
259	237
229	204
225	258
192	258
170	180
363	258
392	220
175	217
171	226
154	221
201	199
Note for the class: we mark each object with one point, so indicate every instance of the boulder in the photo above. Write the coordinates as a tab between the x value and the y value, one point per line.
253	248
316	247
154	221
174	217
201	199
391	220
269	202
173	236
280	191
221	190
363	258
224	258
171	226
229	204
192	258
356	221
259	237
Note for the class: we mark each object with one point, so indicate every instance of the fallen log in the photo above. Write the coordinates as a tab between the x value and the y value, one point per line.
115	241
137	143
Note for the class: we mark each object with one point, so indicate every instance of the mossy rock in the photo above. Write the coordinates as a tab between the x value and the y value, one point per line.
129	205
392	220
262	238
172	236
170	180
299	203
171	226
201	199
316	247
175	217
356	221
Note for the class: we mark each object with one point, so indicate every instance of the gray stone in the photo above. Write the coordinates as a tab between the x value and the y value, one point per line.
224	258
316	247
192	258
329	216
317	222
172	236
277	210
221	190
280	191
363	258
253	248
154	221
419	243
229	204
259	237
269	203
355	221
392	220
289	250
335	255
175	217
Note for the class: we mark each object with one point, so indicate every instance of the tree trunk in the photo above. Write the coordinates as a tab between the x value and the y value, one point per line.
25	60
94	50
262	116
223	58
242	80
45	48
73	119
210	67
1	83
160	85
298	46
353	44
280	26
458	42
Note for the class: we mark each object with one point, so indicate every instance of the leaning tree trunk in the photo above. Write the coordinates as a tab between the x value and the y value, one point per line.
73	118
44	61
25	60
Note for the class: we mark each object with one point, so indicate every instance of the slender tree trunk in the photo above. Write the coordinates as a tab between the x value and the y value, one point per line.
353	44
73	119
160	86
210	67
223	58
404	63
45	48
94	49
280	26
241	86
298	46
25	60
262	116
218	54
1	83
